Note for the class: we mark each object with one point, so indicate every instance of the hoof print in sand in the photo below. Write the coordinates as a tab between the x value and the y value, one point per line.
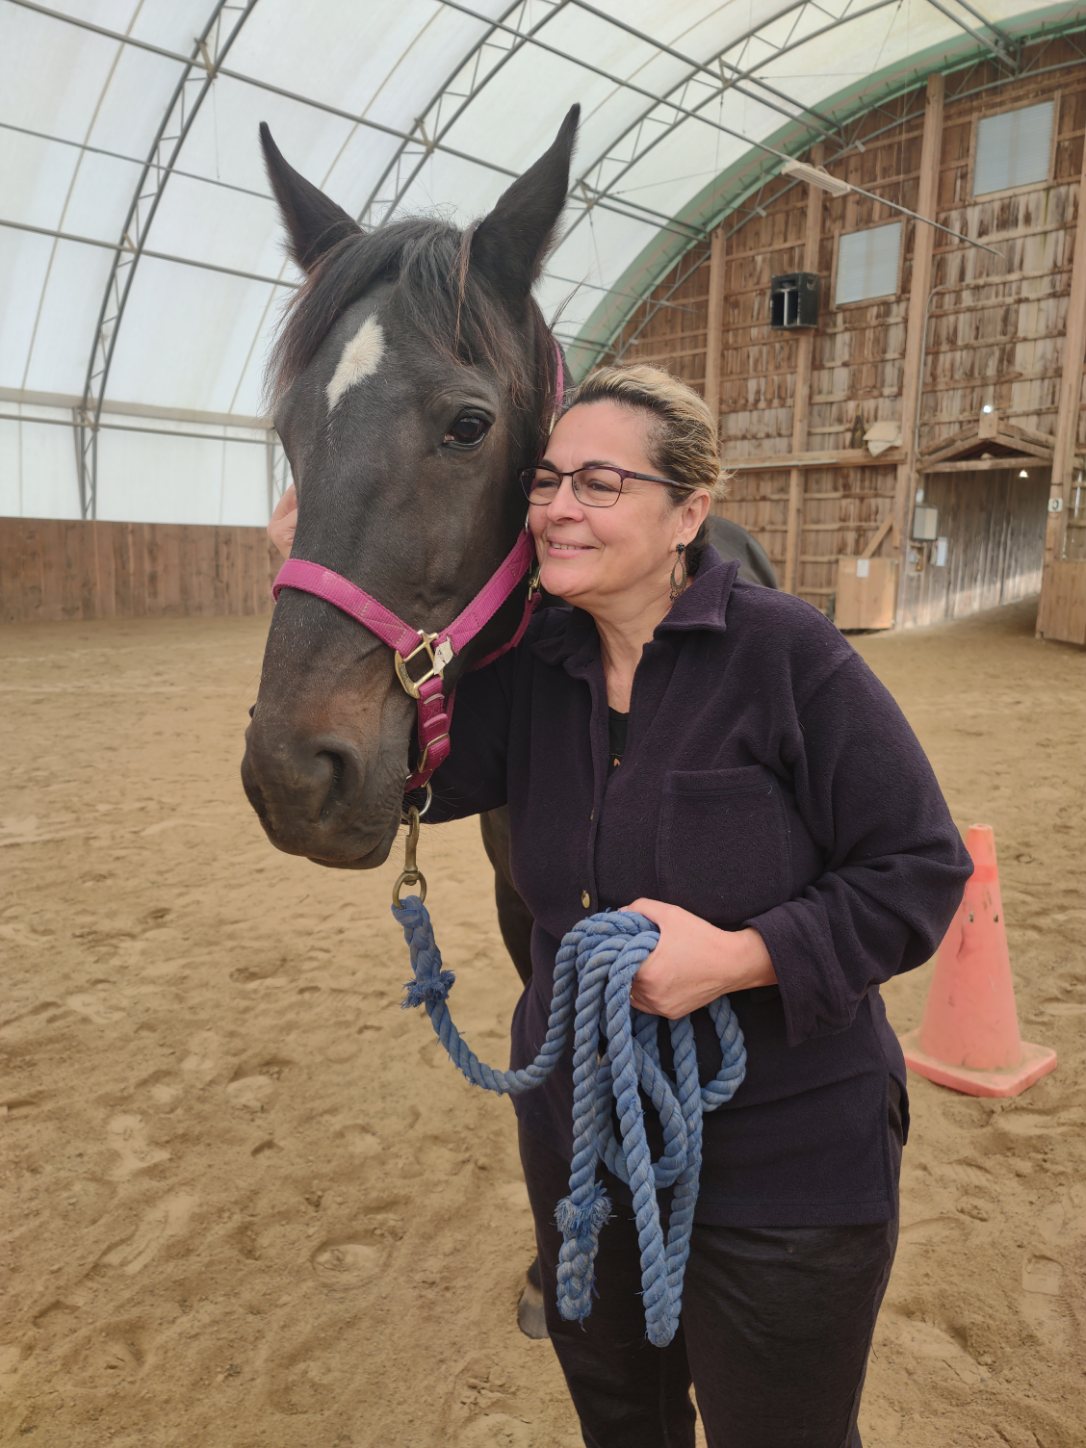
111	1352
1044	1304
128	1138
359	1140
344	1264
253	1085
165	1221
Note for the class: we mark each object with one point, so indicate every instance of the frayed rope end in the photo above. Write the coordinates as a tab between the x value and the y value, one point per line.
586	1220
428	992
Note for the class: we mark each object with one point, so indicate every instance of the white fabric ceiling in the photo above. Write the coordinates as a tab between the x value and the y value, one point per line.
353	95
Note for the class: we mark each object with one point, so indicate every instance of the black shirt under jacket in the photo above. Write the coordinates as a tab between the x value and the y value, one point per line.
768	779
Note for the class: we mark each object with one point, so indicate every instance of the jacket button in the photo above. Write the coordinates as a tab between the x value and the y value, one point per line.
586	899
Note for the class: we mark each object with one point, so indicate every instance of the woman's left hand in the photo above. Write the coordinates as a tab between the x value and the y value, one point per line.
284	521
695	962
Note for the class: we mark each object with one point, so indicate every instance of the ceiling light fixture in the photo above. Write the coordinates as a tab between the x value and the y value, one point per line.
817	177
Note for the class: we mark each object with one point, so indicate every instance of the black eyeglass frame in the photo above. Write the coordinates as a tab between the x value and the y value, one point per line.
527	482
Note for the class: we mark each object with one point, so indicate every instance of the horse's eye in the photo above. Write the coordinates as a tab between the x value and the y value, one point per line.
468	430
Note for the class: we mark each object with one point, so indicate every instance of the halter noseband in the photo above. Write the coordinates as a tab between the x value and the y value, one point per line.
411	646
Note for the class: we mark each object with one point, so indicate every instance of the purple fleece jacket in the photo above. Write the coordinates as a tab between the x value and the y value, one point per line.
769	780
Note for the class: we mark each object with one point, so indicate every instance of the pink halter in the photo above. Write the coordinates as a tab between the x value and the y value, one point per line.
437	649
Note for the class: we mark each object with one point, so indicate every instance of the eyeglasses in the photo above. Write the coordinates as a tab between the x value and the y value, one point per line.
593	485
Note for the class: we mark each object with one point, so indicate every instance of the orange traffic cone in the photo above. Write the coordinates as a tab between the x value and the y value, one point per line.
969	1037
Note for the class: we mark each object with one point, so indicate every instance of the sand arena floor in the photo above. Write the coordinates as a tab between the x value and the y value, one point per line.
245	1202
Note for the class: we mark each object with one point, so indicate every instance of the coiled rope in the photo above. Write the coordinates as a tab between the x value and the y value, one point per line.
594	969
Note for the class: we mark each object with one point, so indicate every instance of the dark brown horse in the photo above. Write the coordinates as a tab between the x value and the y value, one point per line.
414	377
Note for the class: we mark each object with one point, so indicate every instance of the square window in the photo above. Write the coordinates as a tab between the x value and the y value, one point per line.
1013	149
868	264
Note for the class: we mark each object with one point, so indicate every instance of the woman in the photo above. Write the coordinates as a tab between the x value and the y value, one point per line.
716	756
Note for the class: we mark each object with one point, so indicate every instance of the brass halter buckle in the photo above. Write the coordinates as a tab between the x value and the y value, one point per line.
438	661
411	875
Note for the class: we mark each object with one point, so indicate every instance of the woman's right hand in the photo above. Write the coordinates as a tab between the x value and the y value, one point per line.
284	521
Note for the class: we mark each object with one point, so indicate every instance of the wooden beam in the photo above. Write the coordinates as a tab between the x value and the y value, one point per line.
989	465
933	461
1028	434
912	382
883	528
849	457
949	446
1032	449
715	321
801	397
1070	402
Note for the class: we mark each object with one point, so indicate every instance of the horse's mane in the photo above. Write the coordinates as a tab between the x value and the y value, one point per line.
445	301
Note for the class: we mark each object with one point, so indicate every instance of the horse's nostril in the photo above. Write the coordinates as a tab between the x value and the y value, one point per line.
337	770
340	773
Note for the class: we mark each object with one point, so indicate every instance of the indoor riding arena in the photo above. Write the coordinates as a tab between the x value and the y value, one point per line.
246	1199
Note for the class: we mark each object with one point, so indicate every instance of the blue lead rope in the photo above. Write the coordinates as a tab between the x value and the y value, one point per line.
593	972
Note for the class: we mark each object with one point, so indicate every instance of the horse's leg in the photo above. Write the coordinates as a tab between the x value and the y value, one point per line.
531	1316
515	923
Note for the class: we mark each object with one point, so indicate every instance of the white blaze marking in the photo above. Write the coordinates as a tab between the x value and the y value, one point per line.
361	358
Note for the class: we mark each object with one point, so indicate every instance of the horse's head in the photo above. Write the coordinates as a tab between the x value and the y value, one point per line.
414	376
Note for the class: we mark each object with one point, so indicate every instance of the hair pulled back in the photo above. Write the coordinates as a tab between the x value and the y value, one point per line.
682	434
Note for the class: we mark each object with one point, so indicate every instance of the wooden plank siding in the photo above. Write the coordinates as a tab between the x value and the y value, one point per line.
53	569
990	332
1062	615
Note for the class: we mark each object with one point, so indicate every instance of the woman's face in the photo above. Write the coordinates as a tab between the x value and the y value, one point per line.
622	555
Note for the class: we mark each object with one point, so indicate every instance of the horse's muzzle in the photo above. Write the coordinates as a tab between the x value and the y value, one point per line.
315	797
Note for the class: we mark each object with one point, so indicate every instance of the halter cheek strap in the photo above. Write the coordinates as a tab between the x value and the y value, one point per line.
421	658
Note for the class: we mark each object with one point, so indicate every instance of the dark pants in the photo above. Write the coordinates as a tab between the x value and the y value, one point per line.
776	1328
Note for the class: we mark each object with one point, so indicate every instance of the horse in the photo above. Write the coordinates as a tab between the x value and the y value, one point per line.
413	378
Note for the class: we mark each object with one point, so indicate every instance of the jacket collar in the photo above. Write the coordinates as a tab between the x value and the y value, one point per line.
572	639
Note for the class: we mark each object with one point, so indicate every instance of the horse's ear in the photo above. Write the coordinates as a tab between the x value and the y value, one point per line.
313	223
510	244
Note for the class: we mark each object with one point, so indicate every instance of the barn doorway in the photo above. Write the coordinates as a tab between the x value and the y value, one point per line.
994	526
982	542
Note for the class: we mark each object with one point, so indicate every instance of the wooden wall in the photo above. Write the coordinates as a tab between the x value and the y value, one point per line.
984	331
1063	603
59	569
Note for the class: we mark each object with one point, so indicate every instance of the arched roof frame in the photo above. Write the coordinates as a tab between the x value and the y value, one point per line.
587	193
193	84
597	187
745	200
469	79
200	68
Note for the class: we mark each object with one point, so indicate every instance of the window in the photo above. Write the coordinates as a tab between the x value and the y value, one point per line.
1013	149
868	264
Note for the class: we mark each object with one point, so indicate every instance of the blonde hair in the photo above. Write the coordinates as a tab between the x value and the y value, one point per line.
683	434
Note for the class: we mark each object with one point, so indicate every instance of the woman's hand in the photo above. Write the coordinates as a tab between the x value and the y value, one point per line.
695	963
284	521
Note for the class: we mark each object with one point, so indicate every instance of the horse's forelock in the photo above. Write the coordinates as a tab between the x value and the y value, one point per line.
444	300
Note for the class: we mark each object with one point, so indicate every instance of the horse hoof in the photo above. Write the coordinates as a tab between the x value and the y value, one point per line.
530	1316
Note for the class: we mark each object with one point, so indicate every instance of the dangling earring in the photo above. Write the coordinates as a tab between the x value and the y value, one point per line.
678	567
